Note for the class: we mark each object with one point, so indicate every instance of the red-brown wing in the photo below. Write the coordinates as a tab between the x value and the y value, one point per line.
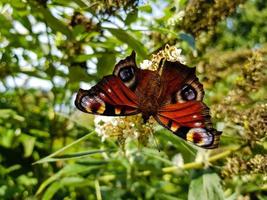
115	94
190	121
110	97
181	108
179	84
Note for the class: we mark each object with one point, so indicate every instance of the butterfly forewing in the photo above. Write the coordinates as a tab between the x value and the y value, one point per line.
179	84
109	97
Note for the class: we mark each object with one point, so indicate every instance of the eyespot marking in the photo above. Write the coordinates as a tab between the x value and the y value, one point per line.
93	104
188	93
199	136
125	70
126	74
101	109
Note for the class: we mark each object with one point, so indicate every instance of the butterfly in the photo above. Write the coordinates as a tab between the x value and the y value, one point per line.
172	94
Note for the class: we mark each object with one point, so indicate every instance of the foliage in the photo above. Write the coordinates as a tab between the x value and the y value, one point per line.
51	48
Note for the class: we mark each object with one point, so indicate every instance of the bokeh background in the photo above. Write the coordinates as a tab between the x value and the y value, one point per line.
49	49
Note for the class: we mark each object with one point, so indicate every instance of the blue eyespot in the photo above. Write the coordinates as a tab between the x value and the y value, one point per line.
188	93
126	74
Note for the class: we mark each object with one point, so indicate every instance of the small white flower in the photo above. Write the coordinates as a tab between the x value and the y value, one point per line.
99	121
178	160
176	18
203	156
174	54
146	64
180	15
136	134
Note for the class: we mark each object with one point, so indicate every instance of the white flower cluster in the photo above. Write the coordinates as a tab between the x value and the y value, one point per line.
100	122
170	53
123	128
203	156
178	160
173	54
146	64
176	18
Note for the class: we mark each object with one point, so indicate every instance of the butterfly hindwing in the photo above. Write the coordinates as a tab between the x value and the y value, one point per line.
190	121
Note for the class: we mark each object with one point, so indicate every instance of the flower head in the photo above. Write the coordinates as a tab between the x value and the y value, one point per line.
170	53
176	18
146	64
122	128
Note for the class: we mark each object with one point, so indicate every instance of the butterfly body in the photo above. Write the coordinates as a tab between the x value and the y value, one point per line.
148	92
172	95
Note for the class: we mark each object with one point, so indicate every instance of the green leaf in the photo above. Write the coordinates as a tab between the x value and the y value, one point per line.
168	197
145	8
70	181
106	64
68	170
50	192
53	22
28	143
124	37
11	169
77	74
206	186
131	17
84	57
73	156
232	197
189	39
39	133
182	146
182	2
78	29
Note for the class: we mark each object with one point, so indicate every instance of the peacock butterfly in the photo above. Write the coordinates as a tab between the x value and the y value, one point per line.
173	95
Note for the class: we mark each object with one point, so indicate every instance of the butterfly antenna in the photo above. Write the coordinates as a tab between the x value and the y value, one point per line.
160	67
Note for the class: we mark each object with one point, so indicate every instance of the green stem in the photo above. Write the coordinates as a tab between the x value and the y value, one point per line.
198	165
63	149
97	189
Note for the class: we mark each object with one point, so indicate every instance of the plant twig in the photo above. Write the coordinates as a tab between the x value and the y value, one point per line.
198	165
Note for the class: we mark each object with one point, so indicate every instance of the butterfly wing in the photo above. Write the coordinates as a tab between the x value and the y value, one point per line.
114	94
179	83
182	110
190	121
